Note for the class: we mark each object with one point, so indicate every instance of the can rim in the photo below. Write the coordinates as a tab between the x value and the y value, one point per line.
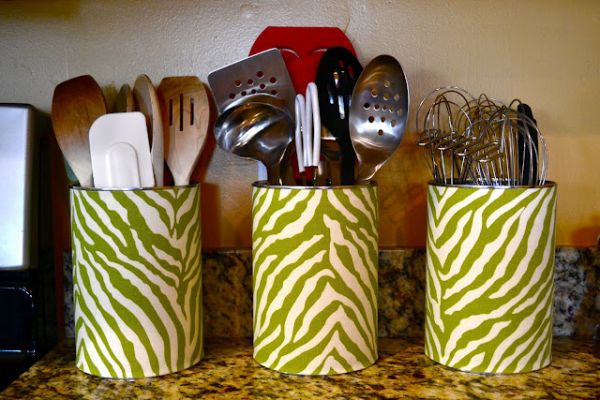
133	189
266	185
548	184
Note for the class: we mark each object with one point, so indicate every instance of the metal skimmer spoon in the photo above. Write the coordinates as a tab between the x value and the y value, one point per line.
378	114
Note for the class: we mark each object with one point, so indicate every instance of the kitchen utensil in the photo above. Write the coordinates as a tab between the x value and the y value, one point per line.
146	102
312	131
330	149
260	98
264	72
185	113
378	114
302	49
120	151
443	118
500	139
518	137
286	164
286	169
259	131
336	76
323	175
125	101
76	103
300	112
480	141
527	164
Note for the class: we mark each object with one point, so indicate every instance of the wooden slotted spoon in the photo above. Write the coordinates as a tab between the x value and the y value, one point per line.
76	104
185	114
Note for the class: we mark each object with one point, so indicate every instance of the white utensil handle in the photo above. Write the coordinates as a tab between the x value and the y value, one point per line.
307	132
313	94
300	108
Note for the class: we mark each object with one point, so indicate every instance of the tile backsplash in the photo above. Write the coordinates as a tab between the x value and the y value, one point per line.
227	292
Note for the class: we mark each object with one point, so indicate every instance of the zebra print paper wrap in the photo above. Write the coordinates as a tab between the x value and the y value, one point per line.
314	254
137	280
490	267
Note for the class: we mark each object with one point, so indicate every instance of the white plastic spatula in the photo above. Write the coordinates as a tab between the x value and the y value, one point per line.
120	151
121	166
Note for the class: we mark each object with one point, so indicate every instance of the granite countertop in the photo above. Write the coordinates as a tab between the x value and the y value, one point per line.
227	293
402	371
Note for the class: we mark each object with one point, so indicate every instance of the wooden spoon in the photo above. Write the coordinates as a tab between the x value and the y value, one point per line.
146	101
76	104
125	102
185	115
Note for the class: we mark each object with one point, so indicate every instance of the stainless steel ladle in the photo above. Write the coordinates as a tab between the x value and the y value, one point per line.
258	131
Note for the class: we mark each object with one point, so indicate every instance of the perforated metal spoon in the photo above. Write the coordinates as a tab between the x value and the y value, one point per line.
378	114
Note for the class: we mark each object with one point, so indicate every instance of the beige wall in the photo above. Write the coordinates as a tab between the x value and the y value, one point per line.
547	53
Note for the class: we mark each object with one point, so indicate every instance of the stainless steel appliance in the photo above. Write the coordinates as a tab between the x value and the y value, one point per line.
26	272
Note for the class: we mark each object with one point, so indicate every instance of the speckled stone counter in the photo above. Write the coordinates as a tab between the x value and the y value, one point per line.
227	293
229	372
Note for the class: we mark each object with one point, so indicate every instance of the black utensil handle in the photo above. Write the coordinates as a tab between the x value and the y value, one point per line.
273	175
525	159
347	164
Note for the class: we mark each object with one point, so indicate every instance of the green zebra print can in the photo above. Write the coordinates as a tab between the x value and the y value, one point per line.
490	276
137	280
315	254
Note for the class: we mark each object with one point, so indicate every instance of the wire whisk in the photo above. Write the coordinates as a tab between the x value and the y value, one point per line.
480	141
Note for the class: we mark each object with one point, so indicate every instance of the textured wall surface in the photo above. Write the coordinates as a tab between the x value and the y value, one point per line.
546	53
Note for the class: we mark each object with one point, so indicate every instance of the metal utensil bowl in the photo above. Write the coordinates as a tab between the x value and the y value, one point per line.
378	114
258	131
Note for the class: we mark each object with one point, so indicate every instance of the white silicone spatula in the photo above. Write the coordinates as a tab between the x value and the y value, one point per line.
120	151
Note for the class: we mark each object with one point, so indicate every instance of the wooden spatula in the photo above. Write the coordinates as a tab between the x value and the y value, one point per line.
76	104
146	101
185	114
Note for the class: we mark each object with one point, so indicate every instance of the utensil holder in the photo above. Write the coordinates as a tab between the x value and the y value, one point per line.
314	255
490	277
137	280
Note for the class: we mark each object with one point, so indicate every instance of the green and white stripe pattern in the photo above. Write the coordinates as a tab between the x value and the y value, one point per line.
137	280
315	278
490	267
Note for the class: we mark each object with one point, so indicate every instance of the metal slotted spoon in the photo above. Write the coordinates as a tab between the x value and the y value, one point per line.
378	114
